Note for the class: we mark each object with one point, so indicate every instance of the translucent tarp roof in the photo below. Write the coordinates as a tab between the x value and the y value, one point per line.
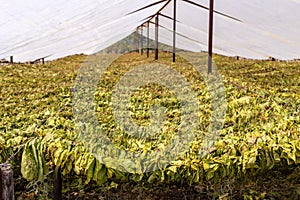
31	29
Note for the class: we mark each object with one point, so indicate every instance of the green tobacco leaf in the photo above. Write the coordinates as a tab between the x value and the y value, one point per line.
173	168
210	175
100	175
251	161
90	170
41	164
57	154
152	178
29	168
63	158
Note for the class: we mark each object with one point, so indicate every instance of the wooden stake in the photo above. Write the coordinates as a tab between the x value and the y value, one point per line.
57	190
6	182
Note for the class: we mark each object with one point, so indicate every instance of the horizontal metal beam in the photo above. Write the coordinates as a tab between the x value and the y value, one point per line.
157	13
148	6
165	16
206	8
179	34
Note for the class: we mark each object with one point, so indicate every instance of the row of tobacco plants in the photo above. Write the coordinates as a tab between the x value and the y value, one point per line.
261	130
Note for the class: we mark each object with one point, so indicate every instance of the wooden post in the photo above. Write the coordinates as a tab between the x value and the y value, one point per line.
156	38
11	60
57	190
43	61
174	31
6	182
148	27
210	35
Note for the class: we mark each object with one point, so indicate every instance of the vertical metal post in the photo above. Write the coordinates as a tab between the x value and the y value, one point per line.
174	31
137	40
156	37
210	35
148	27
43	60
11	60
142	37
6	182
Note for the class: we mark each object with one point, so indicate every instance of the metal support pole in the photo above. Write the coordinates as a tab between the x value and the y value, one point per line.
137	40
43	60
210	35
6	182
174	31
156	37
142	37
148	27
11	60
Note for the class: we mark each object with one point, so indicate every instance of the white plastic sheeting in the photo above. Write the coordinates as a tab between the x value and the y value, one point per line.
268	28
31	29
